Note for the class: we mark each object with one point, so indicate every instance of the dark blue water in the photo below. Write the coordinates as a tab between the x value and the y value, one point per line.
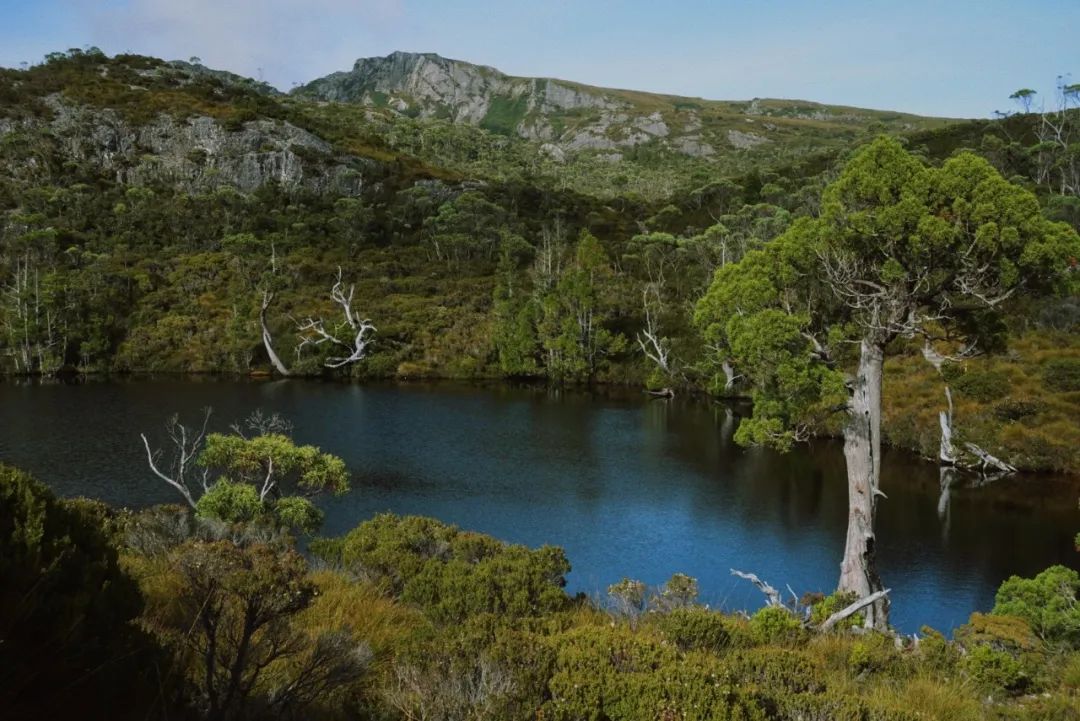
628	486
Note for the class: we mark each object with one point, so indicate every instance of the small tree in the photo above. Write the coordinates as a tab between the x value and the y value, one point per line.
900	250
254	473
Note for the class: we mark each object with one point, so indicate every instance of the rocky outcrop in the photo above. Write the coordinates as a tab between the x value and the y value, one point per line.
428	85
198	153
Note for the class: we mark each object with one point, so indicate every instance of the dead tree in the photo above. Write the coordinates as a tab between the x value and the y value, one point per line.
655	348
268	340
187	444
313	331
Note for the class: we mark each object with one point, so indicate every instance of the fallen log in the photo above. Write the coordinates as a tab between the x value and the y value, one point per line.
853	609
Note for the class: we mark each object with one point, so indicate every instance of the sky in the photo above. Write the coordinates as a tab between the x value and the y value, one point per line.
955	58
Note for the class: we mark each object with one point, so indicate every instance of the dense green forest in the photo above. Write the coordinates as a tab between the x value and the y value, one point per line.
154	212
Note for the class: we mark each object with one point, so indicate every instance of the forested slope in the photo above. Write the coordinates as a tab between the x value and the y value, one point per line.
152	211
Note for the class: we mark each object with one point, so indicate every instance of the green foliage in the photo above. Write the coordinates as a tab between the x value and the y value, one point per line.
230	502
299	513
873	653
994	670
775	625
1047	602
1062	374
827	606
679	591
694	628
611	673
984	386
65	602
451	573
250	460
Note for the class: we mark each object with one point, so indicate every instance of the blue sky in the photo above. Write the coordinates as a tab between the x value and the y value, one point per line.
949	57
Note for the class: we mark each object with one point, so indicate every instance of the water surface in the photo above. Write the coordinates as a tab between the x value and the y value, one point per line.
628	486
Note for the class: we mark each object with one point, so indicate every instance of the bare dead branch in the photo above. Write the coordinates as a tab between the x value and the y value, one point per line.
773	596
853	609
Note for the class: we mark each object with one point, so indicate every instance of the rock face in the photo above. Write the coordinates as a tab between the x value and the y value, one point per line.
198	153
570	116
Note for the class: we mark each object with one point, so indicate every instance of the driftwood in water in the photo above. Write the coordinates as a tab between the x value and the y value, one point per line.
988	461
662	393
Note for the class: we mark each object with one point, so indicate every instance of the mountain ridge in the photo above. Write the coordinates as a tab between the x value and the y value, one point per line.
574	116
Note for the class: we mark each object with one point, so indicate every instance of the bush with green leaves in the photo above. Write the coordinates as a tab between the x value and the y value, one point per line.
1047	602
452	574
775	624
820	611
873	653
695	628
65	601
612	672
995	671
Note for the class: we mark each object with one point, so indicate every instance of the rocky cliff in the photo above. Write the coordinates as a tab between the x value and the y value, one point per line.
575	117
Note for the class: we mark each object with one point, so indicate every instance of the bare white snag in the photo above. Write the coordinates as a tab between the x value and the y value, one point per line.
654	347
187	444
313	331
268	341
773	596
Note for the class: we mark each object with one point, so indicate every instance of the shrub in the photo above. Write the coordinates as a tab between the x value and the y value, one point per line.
935	651
627	597
984	386
773	624
680	591
873	653
614	673
1062	375
1013	409
1047	602
454	574
828	605
777	671
65	602
995	671
695	629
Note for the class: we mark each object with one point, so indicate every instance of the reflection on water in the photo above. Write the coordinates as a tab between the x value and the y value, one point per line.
628	486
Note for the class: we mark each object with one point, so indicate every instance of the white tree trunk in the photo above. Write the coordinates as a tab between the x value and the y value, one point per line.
268	340
729	375
947	453
862	448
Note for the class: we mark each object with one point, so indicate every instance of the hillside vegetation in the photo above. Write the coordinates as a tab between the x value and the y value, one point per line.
149	208
174	613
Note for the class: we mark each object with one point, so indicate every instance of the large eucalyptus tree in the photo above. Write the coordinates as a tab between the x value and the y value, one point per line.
900	250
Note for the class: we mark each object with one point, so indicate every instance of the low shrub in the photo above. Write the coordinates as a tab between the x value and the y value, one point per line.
773	624
695	629
452	574
614	673
995	671
983	386
1062	375
874	653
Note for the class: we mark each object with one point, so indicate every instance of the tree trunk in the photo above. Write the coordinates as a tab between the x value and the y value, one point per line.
862	446
268	340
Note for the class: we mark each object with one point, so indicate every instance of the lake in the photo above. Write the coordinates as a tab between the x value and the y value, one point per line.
627	485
